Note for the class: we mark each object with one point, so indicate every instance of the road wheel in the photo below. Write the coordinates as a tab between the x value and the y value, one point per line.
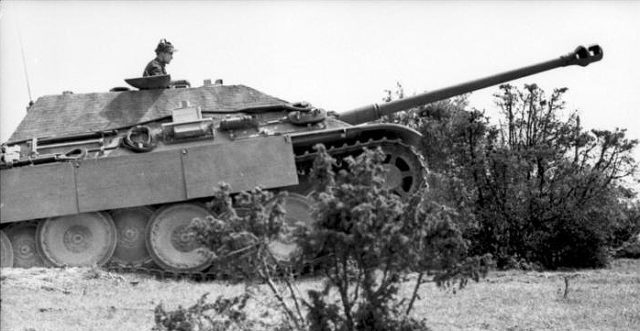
168	242
85	239
404	170
298	216
23	241
6	251
131	224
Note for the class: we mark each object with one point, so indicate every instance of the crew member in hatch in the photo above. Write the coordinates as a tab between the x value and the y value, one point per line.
164	54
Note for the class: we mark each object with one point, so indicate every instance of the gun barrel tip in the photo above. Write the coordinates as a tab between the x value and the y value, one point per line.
595	50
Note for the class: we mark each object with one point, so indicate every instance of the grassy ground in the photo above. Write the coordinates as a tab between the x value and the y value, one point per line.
88	299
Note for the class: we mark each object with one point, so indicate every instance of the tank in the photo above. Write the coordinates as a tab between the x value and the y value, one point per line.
116	177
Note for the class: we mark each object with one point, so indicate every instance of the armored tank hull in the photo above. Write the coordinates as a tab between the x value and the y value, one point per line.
115	177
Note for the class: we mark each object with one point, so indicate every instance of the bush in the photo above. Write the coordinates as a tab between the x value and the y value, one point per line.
372	241
538	188
223	314
630	249
572	243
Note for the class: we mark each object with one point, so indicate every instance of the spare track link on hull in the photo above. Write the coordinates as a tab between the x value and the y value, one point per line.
208	275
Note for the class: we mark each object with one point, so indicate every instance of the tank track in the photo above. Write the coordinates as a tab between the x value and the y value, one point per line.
306	156
371	143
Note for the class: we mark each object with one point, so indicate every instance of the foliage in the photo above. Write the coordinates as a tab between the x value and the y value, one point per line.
537	189
239	235
373	240
630	250
223	314
237	238
627	233
626	229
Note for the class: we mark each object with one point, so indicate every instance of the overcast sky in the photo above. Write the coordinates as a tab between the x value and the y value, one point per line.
335	54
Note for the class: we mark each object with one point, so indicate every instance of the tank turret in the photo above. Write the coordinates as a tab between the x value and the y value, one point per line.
91	178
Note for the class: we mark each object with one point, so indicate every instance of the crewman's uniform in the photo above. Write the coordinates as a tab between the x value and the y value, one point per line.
154	68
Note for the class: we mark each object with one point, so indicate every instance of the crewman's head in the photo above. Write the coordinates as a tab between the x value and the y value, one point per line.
164	51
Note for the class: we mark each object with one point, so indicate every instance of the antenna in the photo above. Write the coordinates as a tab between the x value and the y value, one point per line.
24	64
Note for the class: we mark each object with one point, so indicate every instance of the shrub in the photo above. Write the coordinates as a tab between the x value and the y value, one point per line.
223	314
630	249
538	187
373	241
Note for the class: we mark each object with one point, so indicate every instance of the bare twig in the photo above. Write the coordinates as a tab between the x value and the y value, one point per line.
567	278
276	293
415	293
294	297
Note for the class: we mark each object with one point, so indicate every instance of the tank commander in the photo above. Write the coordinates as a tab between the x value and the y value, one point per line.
164	55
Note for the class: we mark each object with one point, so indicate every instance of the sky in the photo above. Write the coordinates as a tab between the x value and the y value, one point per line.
337	55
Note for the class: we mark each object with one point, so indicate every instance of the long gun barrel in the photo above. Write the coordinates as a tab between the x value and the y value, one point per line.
582	56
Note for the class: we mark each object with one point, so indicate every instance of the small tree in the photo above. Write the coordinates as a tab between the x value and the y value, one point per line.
538	187
373	241
238	239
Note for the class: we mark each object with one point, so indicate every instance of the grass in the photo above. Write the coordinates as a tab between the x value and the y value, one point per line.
597	300
90	299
